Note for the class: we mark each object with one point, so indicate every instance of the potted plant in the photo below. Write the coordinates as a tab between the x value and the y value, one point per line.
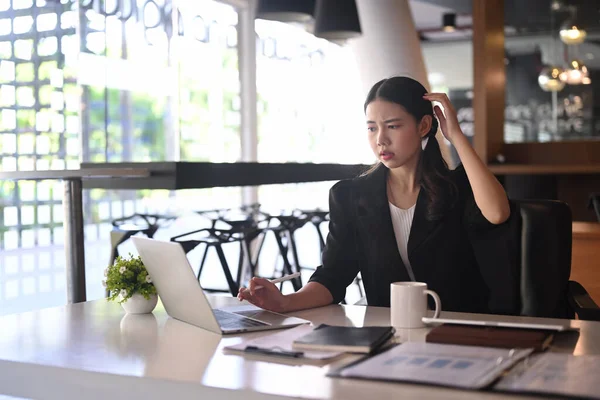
128	281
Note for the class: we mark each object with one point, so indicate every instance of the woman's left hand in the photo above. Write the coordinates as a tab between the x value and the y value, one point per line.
449	122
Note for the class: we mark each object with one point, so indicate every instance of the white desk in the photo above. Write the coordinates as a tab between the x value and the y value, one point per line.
94	347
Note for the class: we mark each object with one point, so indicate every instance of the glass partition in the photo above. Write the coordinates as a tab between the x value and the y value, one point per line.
552	71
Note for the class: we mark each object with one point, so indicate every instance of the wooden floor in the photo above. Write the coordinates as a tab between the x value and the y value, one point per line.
585	264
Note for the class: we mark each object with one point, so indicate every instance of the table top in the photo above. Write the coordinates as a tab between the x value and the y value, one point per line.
87	173
95	345
176	175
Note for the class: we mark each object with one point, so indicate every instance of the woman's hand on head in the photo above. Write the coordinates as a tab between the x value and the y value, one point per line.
448	122
264	294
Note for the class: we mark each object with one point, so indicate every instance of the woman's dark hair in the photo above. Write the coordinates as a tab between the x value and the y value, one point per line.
434	172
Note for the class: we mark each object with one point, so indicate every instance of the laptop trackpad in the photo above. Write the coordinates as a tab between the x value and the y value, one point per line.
261	315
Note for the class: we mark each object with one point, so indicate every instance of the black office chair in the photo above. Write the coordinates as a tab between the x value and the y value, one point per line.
545	230
543	233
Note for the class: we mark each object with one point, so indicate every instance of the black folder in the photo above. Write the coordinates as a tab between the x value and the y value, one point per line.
345	338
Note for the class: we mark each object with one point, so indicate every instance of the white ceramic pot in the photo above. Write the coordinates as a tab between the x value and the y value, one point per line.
137	304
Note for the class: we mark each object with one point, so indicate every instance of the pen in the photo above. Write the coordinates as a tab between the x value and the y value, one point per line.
282	279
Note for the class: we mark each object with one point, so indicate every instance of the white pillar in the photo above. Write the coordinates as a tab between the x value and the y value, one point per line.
248	95
389	46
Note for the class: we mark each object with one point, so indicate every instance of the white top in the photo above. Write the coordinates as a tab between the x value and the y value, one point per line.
402	221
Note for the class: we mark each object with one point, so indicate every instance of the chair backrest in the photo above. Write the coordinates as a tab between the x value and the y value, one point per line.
545	228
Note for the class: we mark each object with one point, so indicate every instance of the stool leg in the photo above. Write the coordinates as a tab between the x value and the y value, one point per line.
256	247
116	238
203	261
233	287
248	264
286	263
321	239
241	262
295	255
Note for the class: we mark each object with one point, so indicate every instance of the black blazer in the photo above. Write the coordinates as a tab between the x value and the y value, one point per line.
471	263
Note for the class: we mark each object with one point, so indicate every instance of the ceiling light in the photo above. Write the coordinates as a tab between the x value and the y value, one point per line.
550	79
449	22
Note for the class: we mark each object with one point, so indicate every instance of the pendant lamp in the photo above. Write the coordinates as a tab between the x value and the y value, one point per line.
550	79
449	22
575	73
301	11
571	31
337	20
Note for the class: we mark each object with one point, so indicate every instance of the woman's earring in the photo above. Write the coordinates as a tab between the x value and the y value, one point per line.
424	142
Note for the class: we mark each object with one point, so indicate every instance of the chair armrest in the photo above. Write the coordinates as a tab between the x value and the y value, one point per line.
594	204
581	302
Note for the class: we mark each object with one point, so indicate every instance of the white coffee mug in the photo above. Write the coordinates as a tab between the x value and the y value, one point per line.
408	301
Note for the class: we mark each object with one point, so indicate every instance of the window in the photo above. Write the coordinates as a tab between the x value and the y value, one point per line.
112	81
309	98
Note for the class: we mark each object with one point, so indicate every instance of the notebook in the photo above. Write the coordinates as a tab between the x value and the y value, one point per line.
345	338
487	336
279	346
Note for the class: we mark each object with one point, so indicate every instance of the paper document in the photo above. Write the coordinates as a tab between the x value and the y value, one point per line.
282	341
469	367
555	373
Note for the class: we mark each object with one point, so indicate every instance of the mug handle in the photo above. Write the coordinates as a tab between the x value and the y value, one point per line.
438	302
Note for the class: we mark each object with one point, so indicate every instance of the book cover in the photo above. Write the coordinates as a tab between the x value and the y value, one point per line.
345	338
491	336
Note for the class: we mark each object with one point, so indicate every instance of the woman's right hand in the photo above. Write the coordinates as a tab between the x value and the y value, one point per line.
268	297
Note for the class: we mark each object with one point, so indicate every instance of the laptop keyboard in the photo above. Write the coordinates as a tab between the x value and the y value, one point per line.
232	321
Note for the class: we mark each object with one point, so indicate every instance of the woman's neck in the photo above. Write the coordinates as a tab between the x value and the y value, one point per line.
403	180
403	186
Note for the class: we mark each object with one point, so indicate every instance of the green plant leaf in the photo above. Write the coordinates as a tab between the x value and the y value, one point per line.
127	277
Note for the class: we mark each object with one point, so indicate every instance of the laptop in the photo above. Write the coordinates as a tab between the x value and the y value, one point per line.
184	299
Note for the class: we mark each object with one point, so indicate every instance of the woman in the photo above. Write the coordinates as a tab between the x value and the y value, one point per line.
411	218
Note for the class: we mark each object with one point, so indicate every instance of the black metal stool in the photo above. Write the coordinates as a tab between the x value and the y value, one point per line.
283	232
213	215
213	238
244	223
126	227
316	218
